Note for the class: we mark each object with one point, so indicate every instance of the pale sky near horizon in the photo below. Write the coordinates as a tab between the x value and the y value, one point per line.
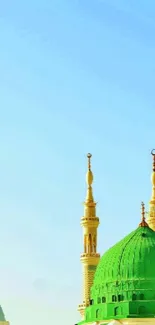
76	76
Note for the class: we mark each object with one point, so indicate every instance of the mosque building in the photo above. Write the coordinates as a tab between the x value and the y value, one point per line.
119	287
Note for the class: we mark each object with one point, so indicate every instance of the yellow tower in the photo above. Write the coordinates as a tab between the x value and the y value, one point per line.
151	213
89	257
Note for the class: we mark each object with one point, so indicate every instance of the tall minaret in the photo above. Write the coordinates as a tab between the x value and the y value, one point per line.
151	213
89	257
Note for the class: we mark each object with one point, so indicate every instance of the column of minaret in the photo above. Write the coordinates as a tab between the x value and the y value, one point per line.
89	257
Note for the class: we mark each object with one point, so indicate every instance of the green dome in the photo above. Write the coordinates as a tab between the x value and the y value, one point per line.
124	282
131	258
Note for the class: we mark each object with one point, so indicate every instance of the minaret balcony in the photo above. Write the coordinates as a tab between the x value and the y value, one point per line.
90	258
94	221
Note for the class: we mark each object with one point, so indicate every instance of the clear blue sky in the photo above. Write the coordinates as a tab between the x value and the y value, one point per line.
76	76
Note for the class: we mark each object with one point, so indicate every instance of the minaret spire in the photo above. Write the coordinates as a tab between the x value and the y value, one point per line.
89	155
89	257
143	222
151	214
89	181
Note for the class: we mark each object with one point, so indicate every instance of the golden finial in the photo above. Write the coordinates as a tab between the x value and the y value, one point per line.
143	222
89	180
89	155
89	176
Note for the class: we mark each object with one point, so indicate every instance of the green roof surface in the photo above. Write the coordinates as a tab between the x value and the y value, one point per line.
124	282
131	258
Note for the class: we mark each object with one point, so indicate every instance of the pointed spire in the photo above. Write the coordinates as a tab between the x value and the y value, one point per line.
143	222
89	180
89	155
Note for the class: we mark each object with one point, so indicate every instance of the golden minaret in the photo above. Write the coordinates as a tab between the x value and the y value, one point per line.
151	213
89	257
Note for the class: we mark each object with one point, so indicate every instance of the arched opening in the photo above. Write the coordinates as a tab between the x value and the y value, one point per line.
141	296
134	297
114	298
103	300
120	297
91	301
97	313
98	300
89	243
117	311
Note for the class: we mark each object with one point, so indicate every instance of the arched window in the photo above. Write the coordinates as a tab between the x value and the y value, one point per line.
103	300
91	301
141	296
98	300
117	311
134	297
97	313
114	298
120	297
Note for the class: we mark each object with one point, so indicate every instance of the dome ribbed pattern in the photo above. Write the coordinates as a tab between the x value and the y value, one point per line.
133	258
